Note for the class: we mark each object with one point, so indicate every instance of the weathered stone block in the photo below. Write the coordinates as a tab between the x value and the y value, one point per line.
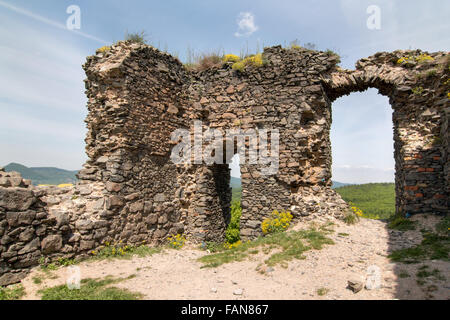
51	243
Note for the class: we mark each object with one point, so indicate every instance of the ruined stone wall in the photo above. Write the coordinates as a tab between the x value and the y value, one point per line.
41	224
130	190
292	92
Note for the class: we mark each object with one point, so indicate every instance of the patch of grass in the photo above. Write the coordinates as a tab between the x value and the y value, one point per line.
212	246
342	234
117	250
322	291
330	53
424	274
432	247
14	292
402	224
37	280
444	225
60	262
291	245
136	37
350	218
90	289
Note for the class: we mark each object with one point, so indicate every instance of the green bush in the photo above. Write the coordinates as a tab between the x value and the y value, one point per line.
232	233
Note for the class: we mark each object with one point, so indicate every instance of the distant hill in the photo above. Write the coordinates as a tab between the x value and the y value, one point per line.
374	199
42	175
336	184
235	182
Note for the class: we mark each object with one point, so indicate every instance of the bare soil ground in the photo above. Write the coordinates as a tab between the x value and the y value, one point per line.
176	274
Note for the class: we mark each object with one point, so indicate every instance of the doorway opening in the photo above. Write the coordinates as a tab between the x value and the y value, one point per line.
232	233
363	169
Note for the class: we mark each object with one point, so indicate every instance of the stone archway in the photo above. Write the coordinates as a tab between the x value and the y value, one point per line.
419	157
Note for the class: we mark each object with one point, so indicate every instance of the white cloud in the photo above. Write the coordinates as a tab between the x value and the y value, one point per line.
246	24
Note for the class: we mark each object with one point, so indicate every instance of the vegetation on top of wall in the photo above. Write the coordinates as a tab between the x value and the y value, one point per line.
136	37
231	58
415	59
256	60
103	49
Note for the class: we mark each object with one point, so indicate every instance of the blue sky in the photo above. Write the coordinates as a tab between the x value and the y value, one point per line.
42	101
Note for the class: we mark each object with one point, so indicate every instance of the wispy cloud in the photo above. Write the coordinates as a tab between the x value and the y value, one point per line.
246	24
49	22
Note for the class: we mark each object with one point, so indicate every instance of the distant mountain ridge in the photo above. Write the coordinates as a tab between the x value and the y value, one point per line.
43	175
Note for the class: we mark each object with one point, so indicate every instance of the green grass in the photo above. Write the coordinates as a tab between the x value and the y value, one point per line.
376	200
236	194
424	272
351	218
289	245
443	226
90	289
14	292
322	291
402	224
434	246
112	252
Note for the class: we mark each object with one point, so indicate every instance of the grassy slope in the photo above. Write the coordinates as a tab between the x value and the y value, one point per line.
374	199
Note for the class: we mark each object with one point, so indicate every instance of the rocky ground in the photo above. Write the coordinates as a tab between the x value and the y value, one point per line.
324	274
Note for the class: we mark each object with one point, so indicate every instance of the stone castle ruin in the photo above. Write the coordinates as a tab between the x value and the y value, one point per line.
130	190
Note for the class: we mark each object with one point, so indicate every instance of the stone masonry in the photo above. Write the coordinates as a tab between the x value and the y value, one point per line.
130	190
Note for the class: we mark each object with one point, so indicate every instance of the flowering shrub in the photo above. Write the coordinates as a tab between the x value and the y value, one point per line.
279	221
65	185
357	211
411	59
116	249
103	49
255	60
177	241
231	58
228	245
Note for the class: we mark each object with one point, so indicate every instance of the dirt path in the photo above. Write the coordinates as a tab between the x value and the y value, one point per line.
176	274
